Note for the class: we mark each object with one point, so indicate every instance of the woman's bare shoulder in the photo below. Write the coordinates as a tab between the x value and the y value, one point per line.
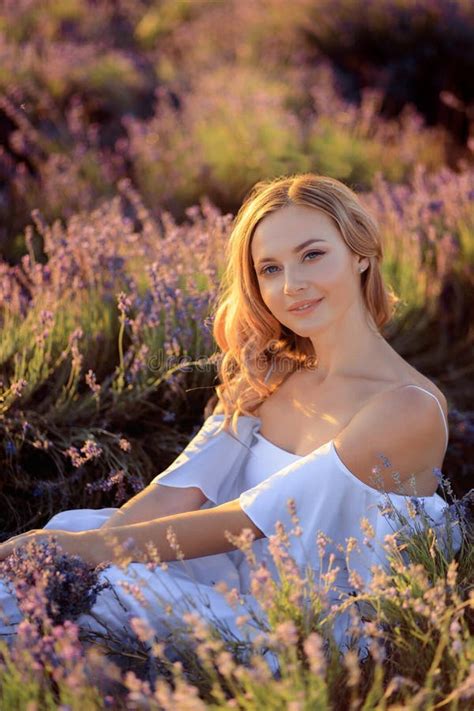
414	377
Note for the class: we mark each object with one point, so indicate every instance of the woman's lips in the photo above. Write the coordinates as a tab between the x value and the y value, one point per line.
308	310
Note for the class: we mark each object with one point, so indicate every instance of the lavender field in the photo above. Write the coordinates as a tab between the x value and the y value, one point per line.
130	133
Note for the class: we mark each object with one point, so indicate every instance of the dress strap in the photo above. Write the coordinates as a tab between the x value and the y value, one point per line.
412	385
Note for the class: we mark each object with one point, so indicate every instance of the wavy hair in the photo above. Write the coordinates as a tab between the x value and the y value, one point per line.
252	341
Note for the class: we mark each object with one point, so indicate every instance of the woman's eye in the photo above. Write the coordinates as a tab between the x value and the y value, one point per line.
265	269
308	253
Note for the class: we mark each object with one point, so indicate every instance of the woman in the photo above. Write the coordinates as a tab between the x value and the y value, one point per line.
314	405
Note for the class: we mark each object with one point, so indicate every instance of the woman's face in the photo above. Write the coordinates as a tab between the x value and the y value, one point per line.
288	272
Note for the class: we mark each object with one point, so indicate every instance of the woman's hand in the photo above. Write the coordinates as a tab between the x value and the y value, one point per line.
82	543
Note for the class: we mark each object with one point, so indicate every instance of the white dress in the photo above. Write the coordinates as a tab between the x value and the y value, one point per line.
328	497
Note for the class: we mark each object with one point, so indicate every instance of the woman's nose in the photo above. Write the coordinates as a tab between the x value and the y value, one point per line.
293	283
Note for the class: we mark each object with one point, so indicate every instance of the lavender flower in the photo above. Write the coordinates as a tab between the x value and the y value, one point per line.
117	478
18	387
419	506
124	303
91	449
75	456
387	510
70	586
124	444
90	379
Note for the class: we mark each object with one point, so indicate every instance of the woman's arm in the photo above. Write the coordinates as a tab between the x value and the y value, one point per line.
156	501
198	533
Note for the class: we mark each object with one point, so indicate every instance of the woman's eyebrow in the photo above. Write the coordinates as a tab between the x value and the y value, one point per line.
295	250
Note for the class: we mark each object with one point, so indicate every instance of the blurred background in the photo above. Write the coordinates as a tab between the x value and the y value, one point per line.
130	132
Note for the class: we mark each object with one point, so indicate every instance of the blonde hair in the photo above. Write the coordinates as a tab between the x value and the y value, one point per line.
251	339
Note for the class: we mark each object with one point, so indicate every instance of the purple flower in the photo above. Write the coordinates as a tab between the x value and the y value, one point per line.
69	585
387	510
418	505
91	449
18	387
118	478
124	303
91	381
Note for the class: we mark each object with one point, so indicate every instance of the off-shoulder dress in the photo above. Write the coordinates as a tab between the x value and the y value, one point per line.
329	498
